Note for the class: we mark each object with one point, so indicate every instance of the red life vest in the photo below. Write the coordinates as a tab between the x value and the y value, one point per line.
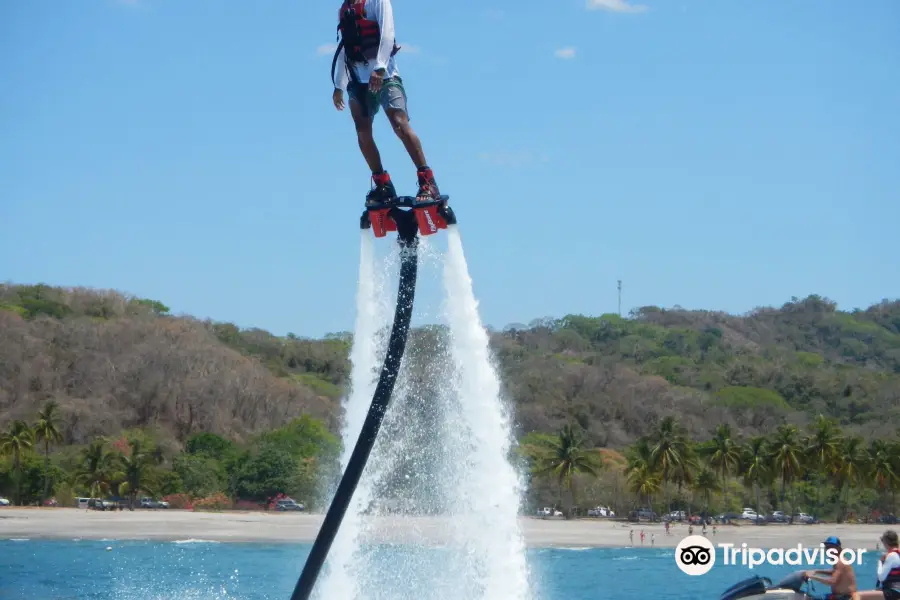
359	37
893	576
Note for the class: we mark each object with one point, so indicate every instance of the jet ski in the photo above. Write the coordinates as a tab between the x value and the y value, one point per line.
761	588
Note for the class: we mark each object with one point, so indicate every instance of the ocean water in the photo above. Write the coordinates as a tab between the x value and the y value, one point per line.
197	570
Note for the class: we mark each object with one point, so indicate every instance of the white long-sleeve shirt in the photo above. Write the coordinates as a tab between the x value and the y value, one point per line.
891	562
382	13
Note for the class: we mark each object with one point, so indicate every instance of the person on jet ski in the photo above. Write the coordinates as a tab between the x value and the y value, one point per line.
889	566
841	579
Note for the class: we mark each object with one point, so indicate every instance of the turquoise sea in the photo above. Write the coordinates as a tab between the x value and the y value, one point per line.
197	570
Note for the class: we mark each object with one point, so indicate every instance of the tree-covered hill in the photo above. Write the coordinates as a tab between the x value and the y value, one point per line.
616	377
113	362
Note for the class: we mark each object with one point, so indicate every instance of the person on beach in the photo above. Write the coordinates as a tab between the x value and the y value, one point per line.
667	529
841	579
653	541
631	536
889	566
642	537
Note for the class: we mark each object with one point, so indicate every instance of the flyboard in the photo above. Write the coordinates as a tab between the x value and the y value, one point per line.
419	218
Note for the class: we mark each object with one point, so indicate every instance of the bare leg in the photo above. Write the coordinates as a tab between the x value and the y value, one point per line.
400	123
365	137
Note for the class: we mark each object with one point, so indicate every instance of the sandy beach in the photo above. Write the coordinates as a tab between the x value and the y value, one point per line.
72	523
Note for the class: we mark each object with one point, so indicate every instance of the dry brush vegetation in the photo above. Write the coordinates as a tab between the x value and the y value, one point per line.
114	363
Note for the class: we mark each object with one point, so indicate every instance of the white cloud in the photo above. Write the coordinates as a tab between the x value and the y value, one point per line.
325	49
565	53
620	6
409	49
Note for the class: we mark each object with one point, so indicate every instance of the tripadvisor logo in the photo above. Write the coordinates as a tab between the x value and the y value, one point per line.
797	556
695	555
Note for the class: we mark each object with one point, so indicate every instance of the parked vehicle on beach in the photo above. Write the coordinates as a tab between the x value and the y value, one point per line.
601	511
100	504
288	504
778	517
729	516
643	513
148	502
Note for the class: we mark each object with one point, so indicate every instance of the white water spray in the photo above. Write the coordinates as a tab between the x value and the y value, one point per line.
447	436
368	342
486	485
369	339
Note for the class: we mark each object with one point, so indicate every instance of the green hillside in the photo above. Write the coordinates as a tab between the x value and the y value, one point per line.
113	363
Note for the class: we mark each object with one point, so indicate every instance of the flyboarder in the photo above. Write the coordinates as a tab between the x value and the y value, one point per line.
367	70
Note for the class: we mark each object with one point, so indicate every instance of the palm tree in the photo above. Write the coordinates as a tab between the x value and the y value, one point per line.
638	471
14	441
723	454
564	456
851	460
786	455
136	464
822	445
881	468
894	448
706	484
643	482
755	465
667	452
684	471
46	430
895	463
97	469
640	455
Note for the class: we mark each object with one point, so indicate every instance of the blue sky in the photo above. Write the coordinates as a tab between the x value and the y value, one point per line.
721	155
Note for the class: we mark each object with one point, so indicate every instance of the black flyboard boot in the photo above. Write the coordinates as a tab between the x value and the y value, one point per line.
383	192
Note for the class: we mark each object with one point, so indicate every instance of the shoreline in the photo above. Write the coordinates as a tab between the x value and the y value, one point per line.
262	527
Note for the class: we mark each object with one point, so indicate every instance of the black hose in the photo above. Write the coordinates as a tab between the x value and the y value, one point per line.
406	226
